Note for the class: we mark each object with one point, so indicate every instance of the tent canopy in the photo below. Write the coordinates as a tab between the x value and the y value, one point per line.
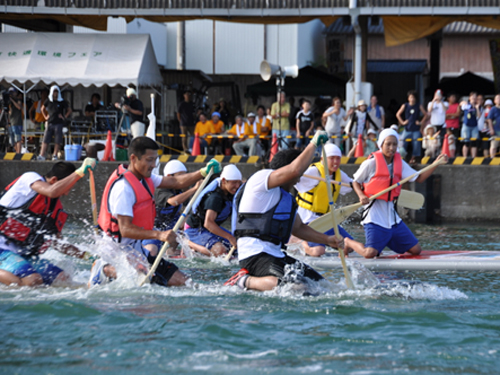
78	59
311	82
465	83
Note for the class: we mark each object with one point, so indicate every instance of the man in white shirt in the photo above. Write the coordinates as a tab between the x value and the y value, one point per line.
128	210
265	216
382	224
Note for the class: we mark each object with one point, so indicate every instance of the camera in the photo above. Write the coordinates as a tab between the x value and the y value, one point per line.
124	100
5	100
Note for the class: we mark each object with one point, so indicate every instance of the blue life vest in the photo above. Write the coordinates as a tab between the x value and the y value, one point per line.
198	209
470	117
168	214
273	226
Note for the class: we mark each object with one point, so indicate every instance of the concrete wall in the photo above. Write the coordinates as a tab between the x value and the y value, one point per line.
467	192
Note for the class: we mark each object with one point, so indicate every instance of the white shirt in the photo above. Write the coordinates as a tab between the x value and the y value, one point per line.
373	115
19	194
481	120
361	122
334	122
257	198
305	184
381	212
438	113
122	199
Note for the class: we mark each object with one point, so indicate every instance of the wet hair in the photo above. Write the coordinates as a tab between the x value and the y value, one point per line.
61	170
140	145
284	157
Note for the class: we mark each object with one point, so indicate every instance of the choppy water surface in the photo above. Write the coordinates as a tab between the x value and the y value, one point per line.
434	322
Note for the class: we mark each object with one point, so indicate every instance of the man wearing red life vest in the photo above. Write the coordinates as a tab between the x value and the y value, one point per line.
128	210
383	227
31	219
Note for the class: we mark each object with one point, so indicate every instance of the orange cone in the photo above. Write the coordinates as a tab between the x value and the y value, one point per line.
360	152
274	147
446	149
196	146
108	149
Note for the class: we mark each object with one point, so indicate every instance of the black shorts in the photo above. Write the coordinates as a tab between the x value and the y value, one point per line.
264	264
56	131
164	272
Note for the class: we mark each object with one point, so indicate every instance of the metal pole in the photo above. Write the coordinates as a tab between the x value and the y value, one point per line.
358	48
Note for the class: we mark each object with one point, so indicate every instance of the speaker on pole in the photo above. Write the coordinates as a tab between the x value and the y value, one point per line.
268	70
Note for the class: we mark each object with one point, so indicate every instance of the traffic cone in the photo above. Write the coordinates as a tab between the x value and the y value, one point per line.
446	149
360	152
108	149
196	146
274	147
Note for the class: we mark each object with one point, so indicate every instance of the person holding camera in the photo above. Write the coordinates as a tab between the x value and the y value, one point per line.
16	112
134	108
56	111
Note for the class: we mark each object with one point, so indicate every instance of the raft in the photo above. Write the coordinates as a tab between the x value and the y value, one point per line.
428	260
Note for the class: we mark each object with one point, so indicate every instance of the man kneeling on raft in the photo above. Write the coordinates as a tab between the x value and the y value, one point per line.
265	214
31	220
212	208
128	210
313	195
382	224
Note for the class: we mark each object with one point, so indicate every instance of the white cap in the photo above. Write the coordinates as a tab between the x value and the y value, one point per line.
386	133
251	114
174	166
131	91
488	102
371	131
361	102
395	127
428	127
332	150
231	173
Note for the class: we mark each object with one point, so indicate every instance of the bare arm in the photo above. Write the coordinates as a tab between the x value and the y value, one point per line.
180	182
31	112
56	189
424	112
44	112
359	192
306	233
398	115
425	175
129	230
213	227
184	196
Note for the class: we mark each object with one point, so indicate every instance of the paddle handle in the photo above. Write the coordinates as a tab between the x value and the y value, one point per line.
93	200
180	222
230	254
324	180
347	275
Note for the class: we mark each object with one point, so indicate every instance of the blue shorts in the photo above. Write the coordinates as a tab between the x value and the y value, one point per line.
21	267
204	237
158	243
399	238
331	232
15	134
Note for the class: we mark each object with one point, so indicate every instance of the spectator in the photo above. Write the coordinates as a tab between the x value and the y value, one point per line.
242	130
371	142
494	125
56	110
453	117
437	109
304	124
484	132
360	121
281	125
452	142
265	126
35	113
223	110
431	142
217	128
203	128
16	113
256	129
376	112
292	116
335	118
185	115
94	105
470	132
412	123
134	108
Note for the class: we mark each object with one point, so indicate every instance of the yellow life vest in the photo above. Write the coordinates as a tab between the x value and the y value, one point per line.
316	199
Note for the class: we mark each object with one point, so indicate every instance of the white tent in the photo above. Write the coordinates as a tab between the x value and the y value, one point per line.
78	59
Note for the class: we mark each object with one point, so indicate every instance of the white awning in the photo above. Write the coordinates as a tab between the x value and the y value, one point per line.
78	59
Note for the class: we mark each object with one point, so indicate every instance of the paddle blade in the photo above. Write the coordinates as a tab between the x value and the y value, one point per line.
411	200
325	222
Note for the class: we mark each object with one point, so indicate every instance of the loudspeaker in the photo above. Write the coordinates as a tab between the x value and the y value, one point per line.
268	70
291	71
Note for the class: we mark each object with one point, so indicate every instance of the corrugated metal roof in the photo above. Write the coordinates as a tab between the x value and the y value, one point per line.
338	27
391	66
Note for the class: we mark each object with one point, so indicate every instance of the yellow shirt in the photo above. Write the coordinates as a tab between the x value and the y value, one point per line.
204	128
217	128
242	132
285	108
263	122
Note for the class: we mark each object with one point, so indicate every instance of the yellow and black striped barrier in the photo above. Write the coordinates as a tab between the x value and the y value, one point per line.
233	159
14	156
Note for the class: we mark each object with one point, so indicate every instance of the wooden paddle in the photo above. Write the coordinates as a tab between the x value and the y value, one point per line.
93	199
177	226
230	254
407	199
344	212
347	275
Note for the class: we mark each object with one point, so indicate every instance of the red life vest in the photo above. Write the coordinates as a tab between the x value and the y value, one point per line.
27	226
144	209
383	179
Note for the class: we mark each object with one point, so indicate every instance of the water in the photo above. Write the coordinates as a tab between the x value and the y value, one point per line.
434	322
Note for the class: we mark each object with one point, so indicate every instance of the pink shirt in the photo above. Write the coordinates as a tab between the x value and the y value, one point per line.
453	123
